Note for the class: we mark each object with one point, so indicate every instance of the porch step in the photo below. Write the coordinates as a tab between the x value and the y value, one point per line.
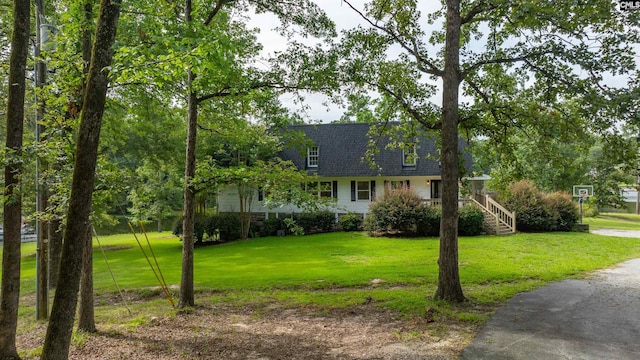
500	222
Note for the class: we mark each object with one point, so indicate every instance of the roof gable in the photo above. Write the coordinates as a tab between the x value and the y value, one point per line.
342	149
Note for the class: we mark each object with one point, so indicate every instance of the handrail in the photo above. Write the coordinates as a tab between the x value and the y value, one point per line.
503	215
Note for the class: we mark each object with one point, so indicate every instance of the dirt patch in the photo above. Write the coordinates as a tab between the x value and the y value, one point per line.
225	332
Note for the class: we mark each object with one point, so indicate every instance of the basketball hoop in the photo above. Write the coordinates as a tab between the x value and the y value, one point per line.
582	192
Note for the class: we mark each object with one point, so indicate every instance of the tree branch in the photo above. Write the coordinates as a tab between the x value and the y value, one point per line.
228	91
216	10
424	64
407	107
506	60
480	8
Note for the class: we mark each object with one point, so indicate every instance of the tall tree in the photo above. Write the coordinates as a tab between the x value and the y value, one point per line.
58	337
10	287
490	52
222	58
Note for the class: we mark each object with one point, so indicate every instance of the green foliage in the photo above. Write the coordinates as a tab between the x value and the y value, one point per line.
350	222
316	222
589	209
536	211
564	211
399	211
470	221
293	227
271	226
430	223
218	227
225	225
613	164
526	201
159	193
199	229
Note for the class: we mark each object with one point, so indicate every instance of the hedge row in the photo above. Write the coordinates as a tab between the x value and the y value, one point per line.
226	226
538	212
218	228
402	212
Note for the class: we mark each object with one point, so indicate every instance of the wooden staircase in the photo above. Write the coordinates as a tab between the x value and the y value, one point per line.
497	219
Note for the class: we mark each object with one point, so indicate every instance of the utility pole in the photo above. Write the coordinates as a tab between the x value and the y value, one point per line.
42	256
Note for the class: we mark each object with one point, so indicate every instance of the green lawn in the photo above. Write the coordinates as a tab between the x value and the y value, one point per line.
343	269
614	221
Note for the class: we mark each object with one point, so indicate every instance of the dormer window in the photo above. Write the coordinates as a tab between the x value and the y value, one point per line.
409	156
313	153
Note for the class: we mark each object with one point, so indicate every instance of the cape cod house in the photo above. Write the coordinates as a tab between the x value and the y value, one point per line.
336	154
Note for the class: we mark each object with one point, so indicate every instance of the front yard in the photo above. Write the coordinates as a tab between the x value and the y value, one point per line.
253	292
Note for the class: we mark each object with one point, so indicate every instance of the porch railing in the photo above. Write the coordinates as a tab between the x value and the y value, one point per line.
500	220
505	220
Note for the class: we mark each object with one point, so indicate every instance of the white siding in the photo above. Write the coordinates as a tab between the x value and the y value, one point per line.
228	200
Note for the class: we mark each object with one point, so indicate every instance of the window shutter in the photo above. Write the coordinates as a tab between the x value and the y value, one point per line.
408	184
373	190
260	194
335	189
353	191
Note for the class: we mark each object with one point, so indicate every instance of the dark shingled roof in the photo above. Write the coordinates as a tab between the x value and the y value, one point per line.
342	149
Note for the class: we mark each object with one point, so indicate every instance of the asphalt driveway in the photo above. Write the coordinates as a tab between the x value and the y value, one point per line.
596	318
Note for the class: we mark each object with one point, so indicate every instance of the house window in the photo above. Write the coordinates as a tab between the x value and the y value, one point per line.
409	156
313	153
363	190
326	189
322	189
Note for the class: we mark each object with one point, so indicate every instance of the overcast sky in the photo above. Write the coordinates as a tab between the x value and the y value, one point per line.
345	18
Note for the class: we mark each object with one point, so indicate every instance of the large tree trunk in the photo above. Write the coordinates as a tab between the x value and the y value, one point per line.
86	318
55	228
58	337
10	287
86	315
187	297
449	287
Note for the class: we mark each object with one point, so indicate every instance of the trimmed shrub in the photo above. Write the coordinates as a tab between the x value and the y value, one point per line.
398	212
429	224
536	211
317	222
271	226
527	202
227	226
564	211
470	221
350	222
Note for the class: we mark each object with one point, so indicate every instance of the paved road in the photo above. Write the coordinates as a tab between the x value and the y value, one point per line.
597	318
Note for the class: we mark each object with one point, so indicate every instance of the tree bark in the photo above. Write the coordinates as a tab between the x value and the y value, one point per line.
55	228
86	315
187	297
58	337
10	284
55	249
449	287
